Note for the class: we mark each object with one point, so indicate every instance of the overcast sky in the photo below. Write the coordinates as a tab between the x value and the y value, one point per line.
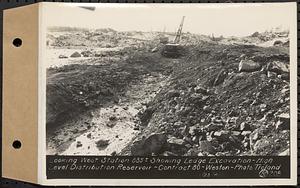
219	19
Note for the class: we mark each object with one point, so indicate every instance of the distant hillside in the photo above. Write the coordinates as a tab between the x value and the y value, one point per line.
66	29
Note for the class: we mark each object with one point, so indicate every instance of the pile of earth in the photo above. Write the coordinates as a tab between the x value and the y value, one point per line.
276	37
270	35
78	38
110	53
221	100
78	88
61	37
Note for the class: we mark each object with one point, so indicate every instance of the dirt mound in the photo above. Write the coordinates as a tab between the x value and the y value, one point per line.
218	110
75	89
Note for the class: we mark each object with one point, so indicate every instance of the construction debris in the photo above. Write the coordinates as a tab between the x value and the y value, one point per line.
217	98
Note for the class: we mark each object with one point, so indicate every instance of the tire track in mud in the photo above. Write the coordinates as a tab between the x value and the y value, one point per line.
113	127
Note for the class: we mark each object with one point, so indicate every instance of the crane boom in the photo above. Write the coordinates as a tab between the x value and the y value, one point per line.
174	49
179	31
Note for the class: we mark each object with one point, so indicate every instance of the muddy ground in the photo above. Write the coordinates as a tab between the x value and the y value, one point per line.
146	104
88	103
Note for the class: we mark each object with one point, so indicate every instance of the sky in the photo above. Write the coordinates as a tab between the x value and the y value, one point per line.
218	19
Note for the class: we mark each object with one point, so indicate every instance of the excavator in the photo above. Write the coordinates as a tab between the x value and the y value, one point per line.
174	49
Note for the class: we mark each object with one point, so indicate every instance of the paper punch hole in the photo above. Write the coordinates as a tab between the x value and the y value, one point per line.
17	42
17	144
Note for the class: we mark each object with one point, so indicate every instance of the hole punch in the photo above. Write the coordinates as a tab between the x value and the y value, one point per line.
17	144
17	42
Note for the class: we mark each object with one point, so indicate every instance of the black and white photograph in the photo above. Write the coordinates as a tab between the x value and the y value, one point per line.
162	81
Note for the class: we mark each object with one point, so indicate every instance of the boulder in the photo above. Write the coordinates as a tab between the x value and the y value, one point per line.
234	113
286	44
198	99
271	74
101	144
278	67
188	140
172	94
284	122
255	136
183	130
168	153
75	54
86	53
281	126
263	147
75	131
89	135
194	130
255	34
285	117
111	124
242	56
195	139
278	43
155	49
152	144
112	118
193	152
285	153
263	106
214	127
178	124
222	135
248	66
174	140
207	108
177	147
217	119
206	146
245	133
62	57
232	123
235	133
78	144
114	153
199	89
244	126
284	76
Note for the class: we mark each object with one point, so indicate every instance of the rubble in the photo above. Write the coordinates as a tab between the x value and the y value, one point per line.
206	147
152	144
220	99
285	153
248	66
174	140
244	126
62	57
111	124
79	144
278	67
227	115
87	53
75	54
271	74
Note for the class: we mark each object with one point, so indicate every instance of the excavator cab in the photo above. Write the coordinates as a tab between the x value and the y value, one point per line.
172	50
